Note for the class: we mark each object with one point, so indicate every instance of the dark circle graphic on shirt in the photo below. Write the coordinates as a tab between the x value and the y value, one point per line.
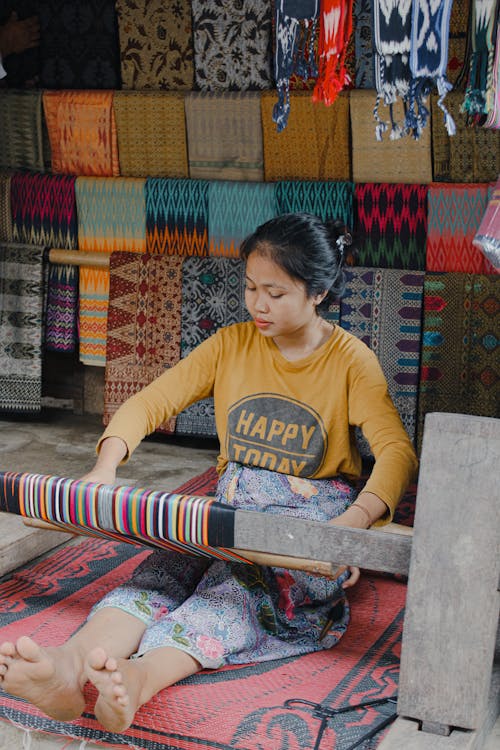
277	433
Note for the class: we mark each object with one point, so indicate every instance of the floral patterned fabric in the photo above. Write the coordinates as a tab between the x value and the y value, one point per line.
234	613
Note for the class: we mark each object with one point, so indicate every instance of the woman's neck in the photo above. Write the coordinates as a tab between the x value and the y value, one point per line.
305	341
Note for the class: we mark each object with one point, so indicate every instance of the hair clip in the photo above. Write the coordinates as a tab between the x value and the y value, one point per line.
344	240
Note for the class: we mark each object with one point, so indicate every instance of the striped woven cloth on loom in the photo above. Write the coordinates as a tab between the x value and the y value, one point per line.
328	200
225	59
21	328
383	308
315	143
78	44
44	213
176	216
213	294
144	325
5	210
391	225
151	133
459	369
224	136
405	160
22	144
156	44
82	132
186	523
454	214
111	216
471	155
235	210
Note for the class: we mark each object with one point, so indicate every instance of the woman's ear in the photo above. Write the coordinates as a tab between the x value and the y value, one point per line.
318	298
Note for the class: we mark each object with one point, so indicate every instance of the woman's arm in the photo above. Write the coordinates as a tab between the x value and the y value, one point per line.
112	451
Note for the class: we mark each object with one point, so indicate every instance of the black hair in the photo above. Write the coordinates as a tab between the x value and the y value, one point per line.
307	249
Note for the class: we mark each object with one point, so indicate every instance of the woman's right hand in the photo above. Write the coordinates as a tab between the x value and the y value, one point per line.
111	452
100	476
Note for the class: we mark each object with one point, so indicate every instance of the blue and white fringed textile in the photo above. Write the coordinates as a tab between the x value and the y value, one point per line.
430	27
296	23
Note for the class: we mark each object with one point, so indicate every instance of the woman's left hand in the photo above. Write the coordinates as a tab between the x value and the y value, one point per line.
355	575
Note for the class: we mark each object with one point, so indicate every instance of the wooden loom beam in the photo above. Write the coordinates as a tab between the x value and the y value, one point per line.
79	258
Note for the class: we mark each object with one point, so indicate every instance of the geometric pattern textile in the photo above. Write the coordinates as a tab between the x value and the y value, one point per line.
144	325
82	132
363	36
78	44
328	200
151	133
487	237
111	216
213	294
21	327
383	307
315	143
156	47
235	210
22	145
176	216
460	345
224	135
5	210
391	225
225	59
457	42
454	214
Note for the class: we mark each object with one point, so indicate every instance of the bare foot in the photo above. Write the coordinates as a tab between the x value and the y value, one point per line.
46	677
119	687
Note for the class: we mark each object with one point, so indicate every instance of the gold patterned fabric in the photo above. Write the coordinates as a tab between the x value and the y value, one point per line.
457	39
156	47
151	133
5	210
315	143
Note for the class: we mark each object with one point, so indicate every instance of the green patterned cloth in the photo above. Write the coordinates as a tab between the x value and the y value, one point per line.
23	141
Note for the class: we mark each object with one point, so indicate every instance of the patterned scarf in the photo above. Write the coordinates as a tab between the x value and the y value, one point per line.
335	29
363	39
296	22
484	17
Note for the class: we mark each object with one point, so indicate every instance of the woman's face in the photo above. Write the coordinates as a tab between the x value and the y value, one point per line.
277	302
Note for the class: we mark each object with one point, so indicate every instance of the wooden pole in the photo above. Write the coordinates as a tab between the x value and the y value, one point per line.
79	258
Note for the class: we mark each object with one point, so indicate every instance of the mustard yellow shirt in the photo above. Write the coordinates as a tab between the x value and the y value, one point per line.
292	417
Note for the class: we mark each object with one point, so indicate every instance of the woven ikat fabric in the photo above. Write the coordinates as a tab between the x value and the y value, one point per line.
213	293
143	325
176	216
328	200
22	144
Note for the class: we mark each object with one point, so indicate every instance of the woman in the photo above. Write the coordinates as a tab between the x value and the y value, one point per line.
289	388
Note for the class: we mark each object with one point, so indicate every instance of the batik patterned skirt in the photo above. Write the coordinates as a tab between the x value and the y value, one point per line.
232	613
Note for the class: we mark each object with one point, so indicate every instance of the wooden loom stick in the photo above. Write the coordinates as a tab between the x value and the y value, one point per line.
79	258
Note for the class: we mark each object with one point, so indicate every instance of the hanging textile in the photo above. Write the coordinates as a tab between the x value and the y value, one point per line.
143	326
484	33
5	210
493	92
295	30
391	225
176	216
335	29
487	237
21	328
156	44
235	209
22	144
454	214
364	45
82	132
315	144
328	200
458	41
111	216
151	133
79	46
44	213
224	136
225	59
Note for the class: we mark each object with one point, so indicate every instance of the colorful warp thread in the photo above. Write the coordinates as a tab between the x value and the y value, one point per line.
328	200
471	155
44	213
294	54
82	132
156	45
225	59
459	369
384	309
213	294
391	225
196	525
176	216
238	155
5	210
151	133
487	237
21	328
335	29
484	35
78	45
22	145
144	325
454	215
235	209
315	144
363	41
111	216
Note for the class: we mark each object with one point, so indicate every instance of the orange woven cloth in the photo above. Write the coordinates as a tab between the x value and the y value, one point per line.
315	143
82	132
